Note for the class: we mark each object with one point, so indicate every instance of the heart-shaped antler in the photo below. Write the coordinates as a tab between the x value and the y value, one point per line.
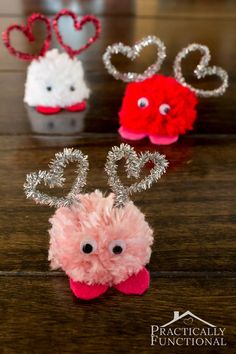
54	178
201	71
27	31
133	166
78	25
132	53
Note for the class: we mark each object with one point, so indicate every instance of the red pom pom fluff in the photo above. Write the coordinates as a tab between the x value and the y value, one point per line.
158	106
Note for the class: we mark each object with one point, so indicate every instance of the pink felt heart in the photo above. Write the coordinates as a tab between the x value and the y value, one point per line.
87	292
137	284
78	107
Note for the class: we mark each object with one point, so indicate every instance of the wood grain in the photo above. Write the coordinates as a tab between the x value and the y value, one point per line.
40	315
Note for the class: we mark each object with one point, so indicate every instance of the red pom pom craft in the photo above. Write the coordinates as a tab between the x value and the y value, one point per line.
156	106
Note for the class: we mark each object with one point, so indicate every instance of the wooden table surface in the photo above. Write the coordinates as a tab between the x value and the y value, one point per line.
192	208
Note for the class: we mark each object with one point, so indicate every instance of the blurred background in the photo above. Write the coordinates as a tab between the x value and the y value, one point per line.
177	23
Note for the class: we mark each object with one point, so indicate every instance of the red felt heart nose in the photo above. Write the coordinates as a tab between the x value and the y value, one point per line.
78	25
27	31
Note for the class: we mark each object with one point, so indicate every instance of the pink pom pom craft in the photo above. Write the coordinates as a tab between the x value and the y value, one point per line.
99	241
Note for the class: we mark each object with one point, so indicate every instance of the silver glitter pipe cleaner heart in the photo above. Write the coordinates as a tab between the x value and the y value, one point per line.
201	71
54	178
133	165
132	53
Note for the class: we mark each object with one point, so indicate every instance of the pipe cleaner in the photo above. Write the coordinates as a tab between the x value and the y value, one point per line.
99	241
55	81
156	106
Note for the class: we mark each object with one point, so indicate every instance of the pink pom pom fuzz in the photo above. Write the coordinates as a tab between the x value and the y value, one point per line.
95	243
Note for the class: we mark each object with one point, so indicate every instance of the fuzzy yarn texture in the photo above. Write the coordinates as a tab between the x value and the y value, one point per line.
55	80
158	90
94	220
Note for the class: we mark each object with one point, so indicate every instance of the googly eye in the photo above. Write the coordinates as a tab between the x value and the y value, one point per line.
49	88
143	102
164	109
88	246
117	247
72	88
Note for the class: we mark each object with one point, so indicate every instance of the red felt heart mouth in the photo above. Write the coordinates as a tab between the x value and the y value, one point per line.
27	31
78	25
